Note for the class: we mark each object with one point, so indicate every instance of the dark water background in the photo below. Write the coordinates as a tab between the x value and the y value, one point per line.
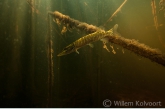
83	80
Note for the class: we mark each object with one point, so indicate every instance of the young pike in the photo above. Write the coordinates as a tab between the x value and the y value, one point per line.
87	40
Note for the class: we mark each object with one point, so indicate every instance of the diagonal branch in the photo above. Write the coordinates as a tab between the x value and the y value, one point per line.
129	44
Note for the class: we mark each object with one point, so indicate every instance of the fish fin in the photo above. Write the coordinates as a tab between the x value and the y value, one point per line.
101	27
115	30
91	45
77	51
115	27
105	40
54	20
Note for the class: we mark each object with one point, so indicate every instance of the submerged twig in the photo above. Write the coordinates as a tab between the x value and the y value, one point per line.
115	13
155	18
31	4
50	63
162	6
153	5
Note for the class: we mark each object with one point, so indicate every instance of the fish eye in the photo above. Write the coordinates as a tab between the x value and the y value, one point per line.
70	47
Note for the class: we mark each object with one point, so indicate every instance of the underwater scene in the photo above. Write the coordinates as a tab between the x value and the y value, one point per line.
82	53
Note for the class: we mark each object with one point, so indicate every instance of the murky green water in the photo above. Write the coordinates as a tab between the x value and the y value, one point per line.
78	80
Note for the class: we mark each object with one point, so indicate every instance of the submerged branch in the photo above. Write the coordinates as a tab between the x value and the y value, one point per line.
129	44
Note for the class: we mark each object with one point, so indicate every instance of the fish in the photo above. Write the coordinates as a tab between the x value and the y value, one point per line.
88	39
